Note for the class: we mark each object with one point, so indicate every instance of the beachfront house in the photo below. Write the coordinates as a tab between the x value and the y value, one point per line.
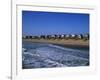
86	36
23	37
59	36
73	36
27	37
38	37
53	36
34	37
42	36
30	37
80	36
62	36
48	36
67	36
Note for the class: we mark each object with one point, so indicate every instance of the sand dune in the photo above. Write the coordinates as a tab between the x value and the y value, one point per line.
63	42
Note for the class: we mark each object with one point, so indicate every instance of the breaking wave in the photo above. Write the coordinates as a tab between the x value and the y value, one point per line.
38	55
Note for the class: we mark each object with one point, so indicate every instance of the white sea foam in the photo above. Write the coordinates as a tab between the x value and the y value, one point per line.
67	49
52	56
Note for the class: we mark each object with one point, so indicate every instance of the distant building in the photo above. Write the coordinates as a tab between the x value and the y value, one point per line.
59	36
73	36
34	37
42	36
67	36
62	36
48	36
80	36
23	37
27	37
86	36
56	36
53	36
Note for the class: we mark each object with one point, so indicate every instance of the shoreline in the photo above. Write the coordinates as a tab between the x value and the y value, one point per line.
65	43
74	46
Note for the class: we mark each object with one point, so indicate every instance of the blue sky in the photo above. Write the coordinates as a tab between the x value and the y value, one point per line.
43	23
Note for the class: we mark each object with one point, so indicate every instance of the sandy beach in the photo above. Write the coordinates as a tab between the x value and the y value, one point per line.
63	42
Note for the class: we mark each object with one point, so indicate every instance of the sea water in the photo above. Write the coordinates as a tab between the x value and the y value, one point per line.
44	55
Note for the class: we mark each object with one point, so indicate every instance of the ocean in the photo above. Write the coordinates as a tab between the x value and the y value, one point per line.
44	55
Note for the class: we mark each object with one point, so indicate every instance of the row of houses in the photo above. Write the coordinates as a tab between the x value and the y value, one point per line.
62	36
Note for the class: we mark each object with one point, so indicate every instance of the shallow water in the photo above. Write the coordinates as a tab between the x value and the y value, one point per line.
40	55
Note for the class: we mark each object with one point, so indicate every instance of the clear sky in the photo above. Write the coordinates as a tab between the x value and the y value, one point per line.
43	23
